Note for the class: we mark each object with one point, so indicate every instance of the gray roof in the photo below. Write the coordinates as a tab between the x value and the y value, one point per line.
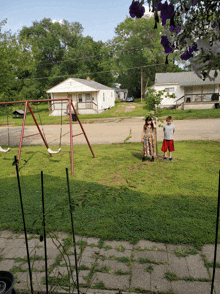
18	111
184	79
66	86
92	84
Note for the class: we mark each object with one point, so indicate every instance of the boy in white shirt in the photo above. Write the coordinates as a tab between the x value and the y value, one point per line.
168	143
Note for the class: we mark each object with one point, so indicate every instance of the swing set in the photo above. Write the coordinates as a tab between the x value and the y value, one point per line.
41	132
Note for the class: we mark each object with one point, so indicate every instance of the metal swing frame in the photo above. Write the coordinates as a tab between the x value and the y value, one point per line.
70	105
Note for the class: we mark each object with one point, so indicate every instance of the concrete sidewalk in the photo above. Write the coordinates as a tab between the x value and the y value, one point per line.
113	266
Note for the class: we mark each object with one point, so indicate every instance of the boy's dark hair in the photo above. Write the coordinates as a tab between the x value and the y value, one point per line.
149	119
169	118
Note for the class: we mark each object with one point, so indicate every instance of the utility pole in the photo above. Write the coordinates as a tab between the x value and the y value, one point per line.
141	84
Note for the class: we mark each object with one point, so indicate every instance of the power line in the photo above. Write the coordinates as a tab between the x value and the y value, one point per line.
112	51
98	72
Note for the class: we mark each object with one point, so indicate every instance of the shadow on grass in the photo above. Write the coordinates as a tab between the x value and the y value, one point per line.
108	213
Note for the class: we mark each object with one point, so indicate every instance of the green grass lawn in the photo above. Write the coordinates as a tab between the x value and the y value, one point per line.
125	198
119	110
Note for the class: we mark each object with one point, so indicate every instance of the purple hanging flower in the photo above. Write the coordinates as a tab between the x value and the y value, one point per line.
166	44
215	23
136	9
133	8
140	12
193	48
194	2
166	11
158	5
174	29
186	55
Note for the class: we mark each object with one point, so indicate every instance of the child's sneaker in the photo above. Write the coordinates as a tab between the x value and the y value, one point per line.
164	159
143	159
170	159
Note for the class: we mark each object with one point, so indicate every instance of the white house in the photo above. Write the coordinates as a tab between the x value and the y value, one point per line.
88	97
191	92
121	94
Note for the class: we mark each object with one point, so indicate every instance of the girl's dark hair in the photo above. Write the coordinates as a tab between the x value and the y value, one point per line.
149	119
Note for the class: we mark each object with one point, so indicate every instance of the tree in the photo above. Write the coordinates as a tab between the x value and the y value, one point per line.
89	58
48	43
9	49
59	50
192	31
136	47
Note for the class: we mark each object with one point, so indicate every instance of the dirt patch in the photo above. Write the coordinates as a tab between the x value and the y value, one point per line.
129	108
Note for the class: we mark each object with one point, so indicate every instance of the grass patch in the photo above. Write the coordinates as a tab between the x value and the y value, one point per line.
149	269
171	276
121	273
108	248
121	248
185	252
105	269
143	260
168	205
100	286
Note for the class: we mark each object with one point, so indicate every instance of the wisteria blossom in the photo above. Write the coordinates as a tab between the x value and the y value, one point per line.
194	38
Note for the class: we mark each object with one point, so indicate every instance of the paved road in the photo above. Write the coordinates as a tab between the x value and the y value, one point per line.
114	131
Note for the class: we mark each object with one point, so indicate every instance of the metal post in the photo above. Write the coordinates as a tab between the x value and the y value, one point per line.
216	237
38	128
83	130
74	241
71	136
141	85
22	131
44	225
25	232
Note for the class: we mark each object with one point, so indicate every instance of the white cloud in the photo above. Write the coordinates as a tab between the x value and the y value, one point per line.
147	12
61	22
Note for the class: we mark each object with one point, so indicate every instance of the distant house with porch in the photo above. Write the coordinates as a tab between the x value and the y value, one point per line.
191	92
88	97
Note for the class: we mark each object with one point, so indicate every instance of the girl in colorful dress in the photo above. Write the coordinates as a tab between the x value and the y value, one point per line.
148	139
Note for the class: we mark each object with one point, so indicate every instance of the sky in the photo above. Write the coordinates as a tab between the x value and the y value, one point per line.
98	18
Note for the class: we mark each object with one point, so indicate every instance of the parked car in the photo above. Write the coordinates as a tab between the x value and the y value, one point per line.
130	99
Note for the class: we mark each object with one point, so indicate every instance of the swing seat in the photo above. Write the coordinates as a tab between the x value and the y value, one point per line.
4	150
53	152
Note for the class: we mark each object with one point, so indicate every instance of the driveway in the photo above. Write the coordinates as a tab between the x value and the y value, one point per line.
113	131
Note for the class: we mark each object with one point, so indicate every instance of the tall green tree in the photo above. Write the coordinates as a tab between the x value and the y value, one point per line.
136	47
48	42
89	58
9	61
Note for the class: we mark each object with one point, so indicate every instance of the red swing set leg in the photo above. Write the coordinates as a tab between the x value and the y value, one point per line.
71	132
22	130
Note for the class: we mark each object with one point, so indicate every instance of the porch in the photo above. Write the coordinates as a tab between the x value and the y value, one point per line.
198	101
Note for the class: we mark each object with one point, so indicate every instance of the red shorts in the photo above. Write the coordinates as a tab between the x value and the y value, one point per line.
168	144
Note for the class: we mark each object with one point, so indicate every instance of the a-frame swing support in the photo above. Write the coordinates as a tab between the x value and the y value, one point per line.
70	105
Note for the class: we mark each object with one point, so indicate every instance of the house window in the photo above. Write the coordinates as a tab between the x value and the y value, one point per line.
80	97
169	90
88	97
103	97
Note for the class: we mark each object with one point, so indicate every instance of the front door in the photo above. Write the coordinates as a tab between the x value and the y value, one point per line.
188	94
